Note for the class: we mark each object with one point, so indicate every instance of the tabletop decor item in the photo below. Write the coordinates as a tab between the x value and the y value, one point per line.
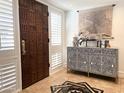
75	41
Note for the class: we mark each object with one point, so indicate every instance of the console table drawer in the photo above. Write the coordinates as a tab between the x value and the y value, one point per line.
95	51
83	50
112	52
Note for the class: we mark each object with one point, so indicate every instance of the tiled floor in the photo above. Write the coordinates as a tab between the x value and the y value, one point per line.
43	86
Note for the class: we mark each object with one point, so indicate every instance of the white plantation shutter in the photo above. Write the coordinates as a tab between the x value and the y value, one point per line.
7	53
56	60
56	44
56	28
6	25
7	77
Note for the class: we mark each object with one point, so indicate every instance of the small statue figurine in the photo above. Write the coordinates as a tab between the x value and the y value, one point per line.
83	36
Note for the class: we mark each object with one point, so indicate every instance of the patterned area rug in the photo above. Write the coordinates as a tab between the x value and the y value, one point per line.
72	87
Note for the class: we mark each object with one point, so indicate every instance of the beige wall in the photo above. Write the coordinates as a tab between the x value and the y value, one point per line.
71	26
117	31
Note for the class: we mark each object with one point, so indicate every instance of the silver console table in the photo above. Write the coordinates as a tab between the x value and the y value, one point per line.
101	61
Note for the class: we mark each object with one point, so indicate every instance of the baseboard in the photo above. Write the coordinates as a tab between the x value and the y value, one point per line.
56	70
17	91
121	74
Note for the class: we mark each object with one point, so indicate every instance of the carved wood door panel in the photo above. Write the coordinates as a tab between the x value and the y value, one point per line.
72	58
83	59
109	66
34	41
95	64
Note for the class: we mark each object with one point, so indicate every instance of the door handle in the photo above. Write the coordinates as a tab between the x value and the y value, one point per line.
23	47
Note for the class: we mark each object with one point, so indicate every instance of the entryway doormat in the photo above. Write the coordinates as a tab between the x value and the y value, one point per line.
72	87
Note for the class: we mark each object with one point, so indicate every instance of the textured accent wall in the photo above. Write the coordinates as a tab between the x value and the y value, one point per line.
96	21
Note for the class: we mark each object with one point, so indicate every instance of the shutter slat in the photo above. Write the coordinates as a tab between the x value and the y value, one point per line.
6	88
6	12
7	67
7	48
7	42
6	3
10	30
7	33
8	76
7	8
9	83
8	79
5	20
9	71
6	15
4	23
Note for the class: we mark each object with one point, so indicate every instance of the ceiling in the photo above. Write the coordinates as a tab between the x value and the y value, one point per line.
68	5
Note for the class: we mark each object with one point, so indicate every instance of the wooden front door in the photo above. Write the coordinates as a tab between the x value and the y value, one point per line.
34	41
